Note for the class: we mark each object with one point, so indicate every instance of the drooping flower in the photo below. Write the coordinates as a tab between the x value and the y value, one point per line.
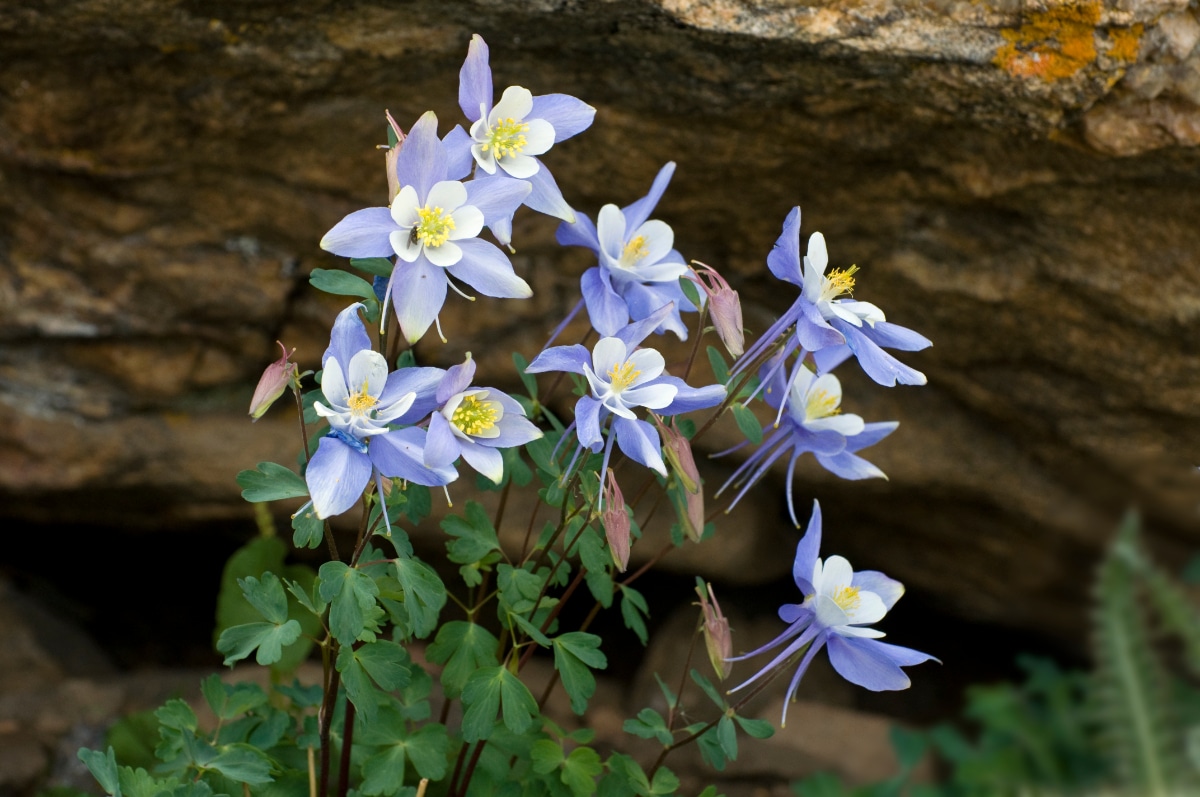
829	326
622	378
839	606
615	520
274	380
362	403
475	423
724	307
638	269
431	229
505	139
811	421
718	638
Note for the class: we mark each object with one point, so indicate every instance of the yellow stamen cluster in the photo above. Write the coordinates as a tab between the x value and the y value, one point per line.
847	598
634	251
473	417
361	402
506	138
821	404
435	226
839	282
622	376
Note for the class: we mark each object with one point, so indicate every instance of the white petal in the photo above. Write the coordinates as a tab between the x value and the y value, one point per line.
858	631
404	207
445	255
836	573
333	383
869	609
520	165
840	310
864	310
818	256
367	368
649	363
608	354
657	239
538	138
516	104
403	245
468	222
847	425
447	195
829	614
653	397
485	158
610	232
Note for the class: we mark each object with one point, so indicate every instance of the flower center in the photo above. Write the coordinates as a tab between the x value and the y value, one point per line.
506	138
434	227
361	403
846	598
821	404
474	417
634	251
839	282
622	376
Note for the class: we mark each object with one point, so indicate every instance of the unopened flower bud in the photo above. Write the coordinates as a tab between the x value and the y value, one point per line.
678	450
692	516
272	383
718	639
390	156
724	307
616	522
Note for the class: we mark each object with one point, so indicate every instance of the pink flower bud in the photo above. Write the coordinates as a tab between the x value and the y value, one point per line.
693	515
272	383
616	522
723	306
389	158
717	636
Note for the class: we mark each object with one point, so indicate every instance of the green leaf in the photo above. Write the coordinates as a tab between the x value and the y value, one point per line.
574	653
541	451
633	610
546	756
472	536
690	291
270	482
244	764
665	782
353	613
103	767
649	725
713	693
341	283
519	588
710	746
759	729
492	689
269	638
427	749
420	502
267	596
375	266
727	737
580	771
308	530
231	700
463	648
717	361
909	745
424	595
383	773
528	380
746	421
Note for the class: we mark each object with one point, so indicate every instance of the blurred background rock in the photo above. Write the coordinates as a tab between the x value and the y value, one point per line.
1016	181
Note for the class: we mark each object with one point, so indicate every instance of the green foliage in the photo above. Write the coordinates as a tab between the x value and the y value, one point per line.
270	482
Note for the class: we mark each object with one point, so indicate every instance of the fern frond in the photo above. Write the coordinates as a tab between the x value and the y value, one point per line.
1132	691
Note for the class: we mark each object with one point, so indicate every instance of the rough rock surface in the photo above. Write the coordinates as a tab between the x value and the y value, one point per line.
1016	180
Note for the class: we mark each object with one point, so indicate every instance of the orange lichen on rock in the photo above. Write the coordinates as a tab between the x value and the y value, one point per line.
1061	41
1124	43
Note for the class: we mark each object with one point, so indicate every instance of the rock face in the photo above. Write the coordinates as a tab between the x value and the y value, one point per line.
1016	181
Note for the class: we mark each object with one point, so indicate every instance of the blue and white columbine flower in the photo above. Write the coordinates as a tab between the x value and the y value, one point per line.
431	229
638	269
813	422
838	607
505	139
829	326
362	403
475	423
622	378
